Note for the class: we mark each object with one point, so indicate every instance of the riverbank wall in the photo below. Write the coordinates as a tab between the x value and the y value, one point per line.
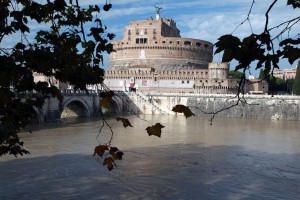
277	107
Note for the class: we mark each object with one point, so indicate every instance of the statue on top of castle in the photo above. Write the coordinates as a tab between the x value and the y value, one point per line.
157	8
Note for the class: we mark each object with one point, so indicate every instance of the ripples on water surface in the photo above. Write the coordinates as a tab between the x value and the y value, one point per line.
232	159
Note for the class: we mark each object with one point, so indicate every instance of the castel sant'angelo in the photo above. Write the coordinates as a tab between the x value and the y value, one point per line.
153	57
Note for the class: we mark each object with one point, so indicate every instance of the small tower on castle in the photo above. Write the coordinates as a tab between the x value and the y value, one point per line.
157	8
218	70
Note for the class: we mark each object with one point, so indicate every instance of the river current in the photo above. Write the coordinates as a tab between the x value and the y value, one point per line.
234	159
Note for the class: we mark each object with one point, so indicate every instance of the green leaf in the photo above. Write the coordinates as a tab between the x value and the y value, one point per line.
227	56
91	44
267	67
84	45
238	67
294	3
289	41
291	54
227	42
111	36
20	45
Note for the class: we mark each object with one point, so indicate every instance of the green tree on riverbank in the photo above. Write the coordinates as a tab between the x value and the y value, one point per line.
262	75
290	85
276	85
296	87
235	74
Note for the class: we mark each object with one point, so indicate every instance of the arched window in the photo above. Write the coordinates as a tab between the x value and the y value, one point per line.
187	43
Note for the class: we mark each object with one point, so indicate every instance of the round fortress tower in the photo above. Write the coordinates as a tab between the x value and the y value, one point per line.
157	43
218	71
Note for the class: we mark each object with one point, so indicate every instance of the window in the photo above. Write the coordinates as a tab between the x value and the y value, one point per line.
187	43
187	81
198	44
141	40
182	82
154	31
137	32
145	31
129	32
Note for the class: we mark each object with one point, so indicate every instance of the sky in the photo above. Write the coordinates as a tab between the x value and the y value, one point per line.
200	19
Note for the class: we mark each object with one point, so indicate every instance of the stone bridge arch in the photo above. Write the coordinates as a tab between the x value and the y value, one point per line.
118	103
75	106
39	115
116	106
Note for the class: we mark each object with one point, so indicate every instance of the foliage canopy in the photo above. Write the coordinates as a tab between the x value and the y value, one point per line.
62	48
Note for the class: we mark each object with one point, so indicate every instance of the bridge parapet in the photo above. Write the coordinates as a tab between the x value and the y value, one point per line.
80	92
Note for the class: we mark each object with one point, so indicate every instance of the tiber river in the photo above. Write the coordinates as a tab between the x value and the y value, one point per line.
232	159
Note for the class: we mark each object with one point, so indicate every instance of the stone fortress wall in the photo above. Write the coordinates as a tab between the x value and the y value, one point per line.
205	81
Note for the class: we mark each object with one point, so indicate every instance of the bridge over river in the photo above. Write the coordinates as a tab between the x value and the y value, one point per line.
79	104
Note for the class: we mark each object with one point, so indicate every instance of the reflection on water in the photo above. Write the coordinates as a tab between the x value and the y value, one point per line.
232	159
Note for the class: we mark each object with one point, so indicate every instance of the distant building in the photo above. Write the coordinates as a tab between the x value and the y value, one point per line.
285	73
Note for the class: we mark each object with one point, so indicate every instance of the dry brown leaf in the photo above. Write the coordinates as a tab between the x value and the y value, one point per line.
100	150
183	109
124	121
155	130
109	162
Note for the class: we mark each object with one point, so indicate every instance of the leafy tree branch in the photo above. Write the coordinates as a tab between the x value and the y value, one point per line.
60	50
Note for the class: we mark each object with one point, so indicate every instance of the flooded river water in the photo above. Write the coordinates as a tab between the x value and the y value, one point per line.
231	159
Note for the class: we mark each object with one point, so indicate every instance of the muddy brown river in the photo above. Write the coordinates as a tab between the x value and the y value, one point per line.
233	159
